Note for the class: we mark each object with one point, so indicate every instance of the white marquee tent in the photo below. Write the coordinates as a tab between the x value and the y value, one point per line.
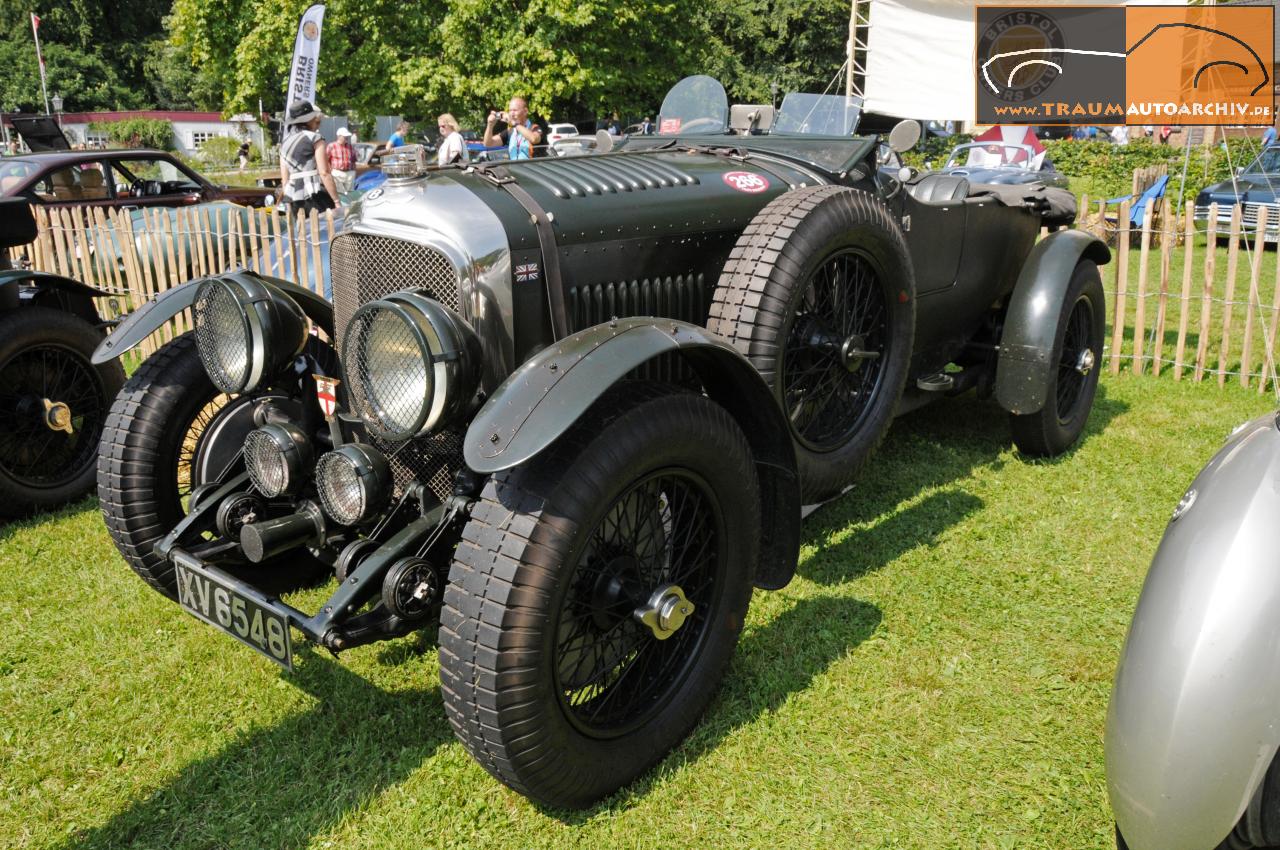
920	57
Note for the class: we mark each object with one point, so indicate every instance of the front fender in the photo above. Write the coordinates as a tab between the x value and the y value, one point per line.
72	295
1031	323
550	391
1192	725
148	318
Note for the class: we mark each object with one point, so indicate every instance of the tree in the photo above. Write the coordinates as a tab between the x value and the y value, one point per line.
84	81
108	42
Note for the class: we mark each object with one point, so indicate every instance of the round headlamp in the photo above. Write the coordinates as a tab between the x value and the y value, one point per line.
246	330
276	457
411	365
354	481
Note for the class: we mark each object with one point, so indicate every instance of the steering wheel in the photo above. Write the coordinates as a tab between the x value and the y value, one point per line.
138	188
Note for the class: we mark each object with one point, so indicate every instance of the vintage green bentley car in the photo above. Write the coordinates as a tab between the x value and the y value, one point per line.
572	408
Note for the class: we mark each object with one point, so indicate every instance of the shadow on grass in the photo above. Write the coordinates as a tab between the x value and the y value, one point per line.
280	785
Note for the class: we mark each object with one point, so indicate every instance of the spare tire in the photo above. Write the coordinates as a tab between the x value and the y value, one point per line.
819	294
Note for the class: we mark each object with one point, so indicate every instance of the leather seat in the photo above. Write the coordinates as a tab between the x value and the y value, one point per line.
92	186
939	188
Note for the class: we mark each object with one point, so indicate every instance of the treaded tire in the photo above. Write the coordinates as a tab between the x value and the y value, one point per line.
137	462
518	561
763	291
1058	425
22	330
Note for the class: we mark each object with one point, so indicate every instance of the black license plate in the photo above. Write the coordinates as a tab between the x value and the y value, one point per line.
221	606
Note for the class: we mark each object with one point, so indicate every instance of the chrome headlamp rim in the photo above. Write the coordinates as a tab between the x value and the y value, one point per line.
448	352
273	330
361	387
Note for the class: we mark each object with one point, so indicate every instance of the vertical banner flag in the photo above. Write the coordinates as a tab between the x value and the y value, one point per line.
306	57
35	32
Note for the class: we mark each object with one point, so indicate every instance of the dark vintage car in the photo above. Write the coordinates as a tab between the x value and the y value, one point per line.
55	175
578	406
1009	155
1253	187
53	400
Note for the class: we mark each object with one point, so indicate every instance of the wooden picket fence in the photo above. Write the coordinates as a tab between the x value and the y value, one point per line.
136	257
1175	313
1171	309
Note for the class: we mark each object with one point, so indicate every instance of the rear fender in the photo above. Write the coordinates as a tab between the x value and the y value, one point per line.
1031	323
52	290
545	396
1193	720
148	318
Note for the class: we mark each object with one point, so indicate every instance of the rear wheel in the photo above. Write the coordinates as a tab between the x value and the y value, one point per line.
155	452
818	294
1073	377
53	402
597	596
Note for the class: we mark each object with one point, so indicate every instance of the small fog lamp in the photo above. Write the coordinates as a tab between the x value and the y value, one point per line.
355	483
276	457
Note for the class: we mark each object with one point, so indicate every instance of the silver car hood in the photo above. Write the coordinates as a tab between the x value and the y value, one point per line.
439	212
1194	719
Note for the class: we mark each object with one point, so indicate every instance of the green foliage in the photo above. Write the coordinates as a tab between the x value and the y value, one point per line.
94	52
137	132
570	58
84	80
225	150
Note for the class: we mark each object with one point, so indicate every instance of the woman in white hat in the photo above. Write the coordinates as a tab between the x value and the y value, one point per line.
304	163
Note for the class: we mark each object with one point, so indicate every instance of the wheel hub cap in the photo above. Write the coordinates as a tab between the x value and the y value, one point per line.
57	416
853	353
665	612
1085	363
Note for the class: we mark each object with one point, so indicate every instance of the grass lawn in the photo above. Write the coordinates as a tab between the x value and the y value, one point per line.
935	677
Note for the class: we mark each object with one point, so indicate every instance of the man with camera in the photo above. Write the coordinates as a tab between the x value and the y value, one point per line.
521	135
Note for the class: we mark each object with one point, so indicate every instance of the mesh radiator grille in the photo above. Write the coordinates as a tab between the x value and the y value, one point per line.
364	268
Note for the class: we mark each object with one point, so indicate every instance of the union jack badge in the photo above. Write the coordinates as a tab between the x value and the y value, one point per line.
527	271
327	394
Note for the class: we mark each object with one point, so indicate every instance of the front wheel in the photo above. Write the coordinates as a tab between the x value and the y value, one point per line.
598	594
163	424
1076	362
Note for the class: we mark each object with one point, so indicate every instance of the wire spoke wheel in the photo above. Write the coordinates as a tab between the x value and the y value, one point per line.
598	592
53	407
1076	361
1071	373
819	294
835	351
612	672
34	451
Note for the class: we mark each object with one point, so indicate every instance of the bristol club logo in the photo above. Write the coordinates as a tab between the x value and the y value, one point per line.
746	181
